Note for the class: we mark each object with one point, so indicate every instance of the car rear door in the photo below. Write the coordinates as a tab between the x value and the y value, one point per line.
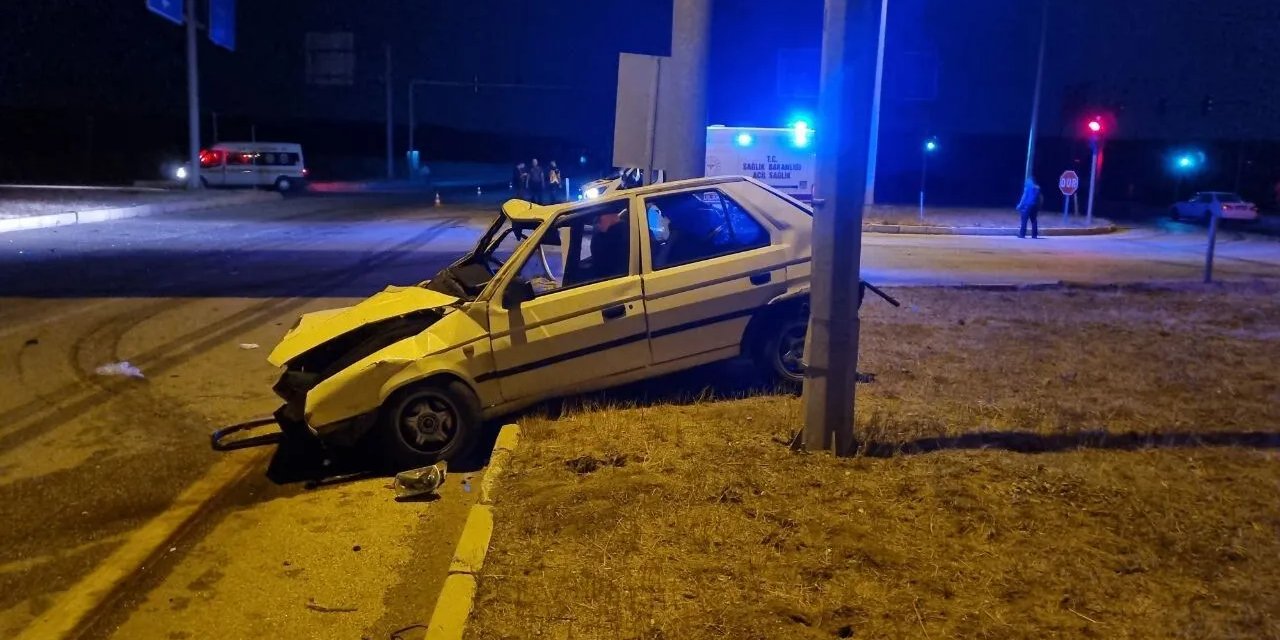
587	321
709	264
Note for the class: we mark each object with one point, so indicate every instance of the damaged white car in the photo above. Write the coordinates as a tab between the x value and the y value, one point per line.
552	301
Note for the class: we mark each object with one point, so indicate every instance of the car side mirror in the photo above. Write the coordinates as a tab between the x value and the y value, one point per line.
517	293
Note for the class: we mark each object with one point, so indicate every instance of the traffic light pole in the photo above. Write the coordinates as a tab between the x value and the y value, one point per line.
849	45
193	101
924	175
1095	145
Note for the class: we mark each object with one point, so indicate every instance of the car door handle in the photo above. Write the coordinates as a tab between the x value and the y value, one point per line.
761	278
613	313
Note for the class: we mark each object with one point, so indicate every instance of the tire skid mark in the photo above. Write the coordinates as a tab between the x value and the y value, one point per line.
59	396
162	358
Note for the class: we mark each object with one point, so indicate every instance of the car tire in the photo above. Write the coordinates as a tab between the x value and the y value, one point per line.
284	184
781	348
425	423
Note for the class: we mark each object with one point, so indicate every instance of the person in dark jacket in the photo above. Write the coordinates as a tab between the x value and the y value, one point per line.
521	181
1029	207
537	182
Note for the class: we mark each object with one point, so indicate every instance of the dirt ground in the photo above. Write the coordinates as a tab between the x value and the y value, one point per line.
1036	464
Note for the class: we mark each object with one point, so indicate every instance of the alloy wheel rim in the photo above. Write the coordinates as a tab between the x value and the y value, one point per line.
428	423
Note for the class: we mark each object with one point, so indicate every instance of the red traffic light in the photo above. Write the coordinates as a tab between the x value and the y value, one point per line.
1095	125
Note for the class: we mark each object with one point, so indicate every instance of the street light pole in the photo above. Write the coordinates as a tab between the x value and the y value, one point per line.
873	145
1035	100
391	166
193	101
831	352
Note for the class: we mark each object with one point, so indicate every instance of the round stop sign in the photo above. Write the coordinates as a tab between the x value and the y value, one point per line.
1068	183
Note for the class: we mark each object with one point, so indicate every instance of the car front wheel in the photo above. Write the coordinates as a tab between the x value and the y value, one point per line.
284	185
426	423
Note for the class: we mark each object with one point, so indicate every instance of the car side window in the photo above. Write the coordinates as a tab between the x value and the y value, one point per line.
582	247
699	225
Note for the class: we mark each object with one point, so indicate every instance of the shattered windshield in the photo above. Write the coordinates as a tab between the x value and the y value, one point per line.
467	277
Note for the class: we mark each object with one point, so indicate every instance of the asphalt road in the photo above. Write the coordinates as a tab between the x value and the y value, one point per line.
88	461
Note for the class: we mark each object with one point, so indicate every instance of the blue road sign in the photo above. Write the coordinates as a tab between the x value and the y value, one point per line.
168	9
222	23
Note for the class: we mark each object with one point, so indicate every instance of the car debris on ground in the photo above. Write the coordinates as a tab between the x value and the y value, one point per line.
123	369
420	482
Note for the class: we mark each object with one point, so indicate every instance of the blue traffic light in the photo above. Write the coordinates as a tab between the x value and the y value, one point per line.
931	145
1188	161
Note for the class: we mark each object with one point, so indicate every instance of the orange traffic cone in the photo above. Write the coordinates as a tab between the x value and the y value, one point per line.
437	198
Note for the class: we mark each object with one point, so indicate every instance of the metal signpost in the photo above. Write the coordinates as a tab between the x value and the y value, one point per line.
222	31
1068	184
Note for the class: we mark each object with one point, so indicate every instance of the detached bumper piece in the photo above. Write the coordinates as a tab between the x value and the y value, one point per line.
225	439
222	439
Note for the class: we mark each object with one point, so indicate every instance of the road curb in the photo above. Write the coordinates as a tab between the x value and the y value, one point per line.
120	213
982	231
453	607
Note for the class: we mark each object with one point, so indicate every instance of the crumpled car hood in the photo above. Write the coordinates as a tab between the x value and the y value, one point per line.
317	328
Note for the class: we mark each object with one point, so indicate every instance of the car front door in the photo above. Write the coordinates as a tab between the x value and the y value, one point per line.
586	319
709	265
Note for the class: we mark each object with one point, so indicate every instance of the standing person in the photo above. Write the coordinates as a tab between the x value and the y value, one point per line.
1029	207
537	182
555	184
521	182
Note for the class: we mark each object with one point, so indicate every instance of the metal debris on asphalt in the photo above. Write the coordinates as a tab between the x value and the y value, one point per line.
248	345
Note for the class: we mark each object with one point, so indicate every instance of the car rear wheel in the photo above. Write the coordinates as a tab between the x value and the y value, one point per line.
426	423
781	352
283	184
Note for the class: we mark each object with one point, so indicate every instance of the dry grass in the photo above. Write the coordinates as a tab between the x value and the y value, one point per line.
691	520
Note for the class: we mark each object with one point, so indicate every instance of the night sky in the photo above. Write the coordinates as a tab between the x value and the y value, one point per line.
1129	57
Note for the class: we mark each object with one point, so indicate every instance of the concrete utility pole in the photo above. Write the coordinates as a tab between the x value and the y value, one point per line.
391	162
193	101
680	145
1035	99
849	46
873	147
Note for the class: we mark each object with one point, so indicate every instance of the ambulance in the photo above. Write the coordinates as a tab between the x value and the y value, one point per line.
782	158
